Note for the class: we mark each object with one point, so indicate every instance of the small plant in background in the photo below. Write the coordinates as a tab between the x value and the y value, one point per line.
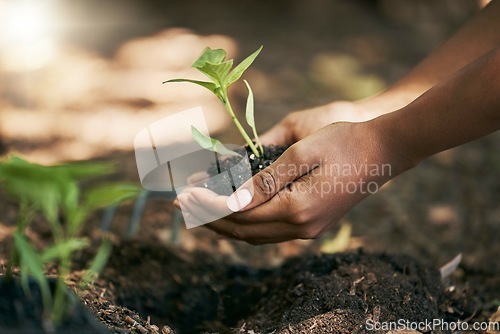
220	71
54	192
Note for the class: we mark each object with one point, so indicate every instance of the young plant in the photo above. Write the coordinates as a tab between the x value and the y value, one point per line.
222	75
53	192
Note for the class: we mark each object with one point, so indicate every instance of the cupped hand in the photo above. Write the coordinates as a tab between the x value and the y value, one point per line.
304	192
300	124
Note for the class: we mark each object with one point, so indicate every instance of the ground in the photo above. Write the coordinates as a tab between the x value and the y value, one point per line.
104	85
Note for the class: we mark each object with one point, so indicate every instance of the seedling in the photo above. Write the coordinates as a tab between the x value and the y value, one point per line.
53	192
222	75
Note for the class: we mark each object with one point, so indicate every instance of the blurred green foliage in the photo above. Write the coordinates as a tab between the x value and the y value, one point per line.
54	193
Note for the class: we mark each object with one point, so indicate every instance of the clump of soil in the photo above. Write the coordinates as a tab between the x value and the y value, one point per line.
339	293
239	174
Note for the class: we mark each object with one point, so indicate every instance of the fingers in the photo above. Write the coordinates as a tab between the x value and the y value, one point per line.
286	216
257	233
203	205
280	134
197	177
200	206
281	207
265	233
208	206
293	164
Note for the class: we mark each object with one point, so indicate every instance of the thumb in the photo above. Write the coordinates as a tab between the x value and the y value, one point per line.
267	183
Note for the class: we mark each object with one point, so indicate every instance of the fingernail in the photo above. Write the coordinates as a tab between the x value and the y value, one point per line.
239	200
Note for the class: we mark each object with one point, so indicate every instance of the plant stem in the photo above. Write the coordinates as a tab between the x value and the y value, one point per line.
257	140
60	298
23	220
245	136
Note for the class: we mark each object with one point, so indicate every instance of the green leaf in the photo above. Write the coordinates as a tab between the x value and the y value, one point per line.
36	185
208	85
110	194
31	265
99	262
211	144
237	72
212	64
217	72
84	170
249	115
75	221
48	188
63	249
250	107
28	255
208	55
70	201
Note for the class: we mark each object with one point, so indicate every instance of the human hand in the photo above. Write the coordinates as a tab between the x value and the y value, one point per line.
300	124
306	191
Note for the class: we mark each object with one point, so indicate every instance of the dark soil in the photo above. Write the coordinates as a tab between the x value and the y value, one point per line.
334	293
23	313
118	319
339	293
190	294
237	176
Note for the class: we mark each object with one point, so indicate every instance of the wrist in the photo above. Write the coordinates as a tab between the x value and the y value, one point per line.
394	98
393	143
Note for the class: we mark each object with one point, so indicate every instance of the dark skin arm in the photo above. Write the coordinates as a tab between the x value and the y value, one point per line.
477	37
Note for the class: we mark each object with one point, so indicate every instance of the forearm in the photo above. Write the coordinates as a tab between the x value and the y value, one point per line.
479	36
462	108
